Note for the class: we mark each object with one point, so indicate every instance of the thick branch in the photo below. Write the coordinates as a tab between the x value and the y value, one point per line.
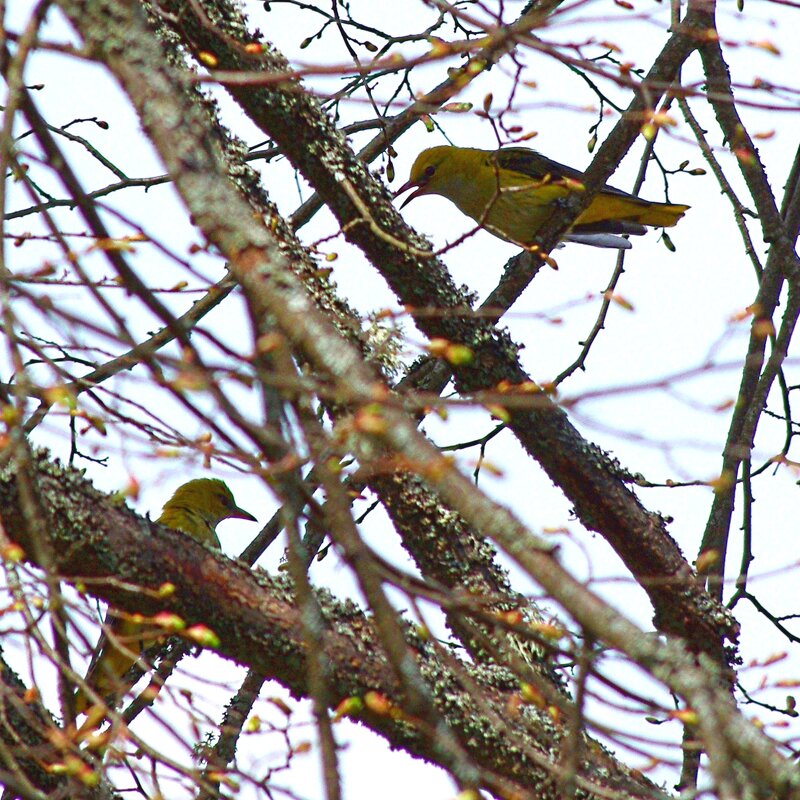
272	289
589	478
256	617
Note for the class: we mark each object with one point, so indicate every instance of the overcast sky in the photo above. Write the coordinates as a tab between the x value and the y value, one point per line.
686	308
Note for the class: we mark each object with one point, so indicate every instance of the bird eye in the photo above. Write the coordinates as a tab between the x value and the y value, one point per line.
429	171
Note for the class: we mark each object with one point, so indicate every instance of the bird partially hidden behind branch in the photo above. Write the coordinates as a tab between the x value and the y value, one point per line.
513	191
196	508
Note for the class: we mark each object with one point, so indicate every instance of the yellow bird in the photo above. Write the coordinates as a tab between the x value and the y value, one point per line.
512	192
196	508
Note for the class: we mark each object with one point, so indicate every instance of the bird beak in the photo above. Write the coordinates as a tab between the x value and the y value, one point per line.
240	513
421	188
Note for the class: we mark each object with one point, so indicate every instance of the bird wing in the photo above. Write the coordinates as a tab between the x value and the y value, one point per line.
535	165
611	211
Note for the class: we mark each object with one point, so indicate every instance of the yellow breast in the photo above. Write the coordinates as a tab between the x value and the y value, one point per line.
506	203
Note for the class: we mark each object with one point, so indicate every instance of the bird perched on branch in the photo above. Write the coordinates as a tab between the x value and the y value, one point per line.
512	192
196	508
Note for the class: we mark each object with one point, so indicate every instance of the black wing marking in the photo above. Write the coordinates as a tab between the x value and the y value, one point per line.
537	166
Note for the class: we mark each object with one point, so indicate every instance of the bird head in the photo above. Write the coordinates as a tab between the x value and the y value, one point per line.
439	170
210	498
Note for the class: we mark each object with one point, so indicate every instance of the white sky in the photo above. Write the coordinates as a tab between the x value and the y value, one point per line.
683	306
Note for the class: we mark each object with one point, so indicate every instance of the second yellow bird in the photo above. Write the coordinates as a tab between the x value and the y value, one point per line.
512	192
196	508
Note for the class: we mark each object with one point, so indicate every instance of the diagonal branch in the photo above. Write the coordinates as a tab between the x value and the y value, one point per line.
780	229
589	477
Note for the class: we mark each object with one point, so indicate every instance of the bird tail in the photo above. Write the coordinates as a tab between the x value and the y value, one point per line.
661	215
112	662
614	214
615	207
105	678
